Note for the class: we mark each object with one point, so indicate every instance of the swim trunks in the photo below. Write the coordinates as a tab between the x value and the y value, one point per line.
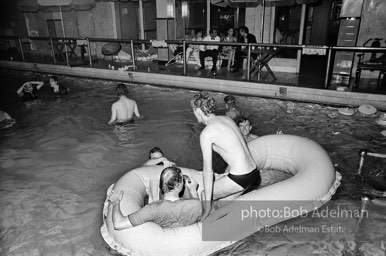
123	123
248	181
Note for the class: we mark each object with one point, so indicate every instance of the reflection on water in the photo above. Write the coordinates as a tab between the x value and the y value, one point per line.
57	162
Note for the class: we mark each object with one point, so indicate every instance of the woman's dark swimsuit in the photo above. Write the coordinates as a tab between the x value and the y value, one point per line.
248	181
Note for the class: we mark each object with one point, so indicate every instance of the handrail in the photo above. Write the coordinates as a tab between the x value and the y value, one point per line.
180	41
248	46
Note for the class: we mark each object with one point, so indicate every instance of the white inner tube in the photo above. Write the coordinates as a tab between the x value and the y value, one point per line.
313	183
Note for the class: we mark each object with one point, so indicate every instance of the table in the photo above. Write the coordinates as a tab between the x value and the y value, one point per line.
264	55
60	48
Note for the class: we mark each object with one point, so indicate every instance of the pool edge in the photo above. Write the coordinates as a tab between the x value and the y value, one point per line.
283	92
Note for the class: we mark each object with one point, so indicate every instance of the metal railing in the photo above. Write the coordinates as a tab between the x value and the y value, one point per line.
66	41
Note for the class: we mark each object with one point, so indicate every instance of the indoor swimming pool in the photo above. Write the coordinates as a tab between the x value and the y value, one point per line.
60	157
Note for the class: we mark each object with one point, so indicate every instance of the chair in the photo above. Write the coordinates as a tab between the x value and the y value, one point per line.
111	49
178	54
371	64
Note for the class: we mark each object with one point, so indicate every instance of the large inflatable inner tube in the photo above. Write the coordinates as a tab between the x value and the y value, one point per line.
312	182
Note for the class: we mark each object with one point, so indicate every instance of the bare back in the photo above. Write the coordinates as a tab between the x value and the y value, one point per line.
124	109
226	139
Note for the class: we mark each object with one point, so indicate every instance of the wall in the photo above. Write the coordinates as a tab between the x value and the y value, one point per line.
320	23
11	21
253	22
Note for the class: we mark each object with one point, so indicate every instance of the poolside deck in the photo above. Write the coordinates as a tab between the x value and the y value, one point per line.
308	86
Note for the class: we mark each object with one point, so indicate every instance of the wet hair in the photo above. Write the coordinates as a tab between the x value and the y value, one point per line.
242	119
170	178
155	150
205	102
245	29
230	100
122	89
55	78
198	30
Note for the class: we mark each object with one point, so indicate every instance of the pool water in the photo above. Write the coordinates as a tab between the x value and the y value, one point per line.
59	159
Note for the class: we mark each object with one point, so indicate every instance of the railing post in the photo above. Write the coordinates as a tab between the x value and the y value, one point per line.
52	50
21	49
249	64
184	55
65	49
132	54
89	52
326	81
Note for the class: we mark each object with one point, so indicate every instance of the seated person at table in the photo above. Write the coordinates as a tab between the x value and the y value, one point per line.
240	55
29	90
194	48
245	128
228	50
230	104
171	211
156	157
209	50
57	89
123	110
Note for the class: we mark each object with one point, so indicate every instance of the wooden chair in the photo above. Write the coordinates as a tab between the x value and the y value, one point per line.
374	63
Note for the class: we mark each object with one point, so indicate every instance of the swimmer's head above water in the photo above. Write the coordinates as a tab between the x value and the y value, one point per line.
230	101
171	178
122	89
205	102
155	153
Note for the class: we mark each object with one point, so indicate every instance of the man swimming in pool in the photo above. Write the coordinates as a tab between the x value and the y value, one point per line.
124	109
171	211
223	136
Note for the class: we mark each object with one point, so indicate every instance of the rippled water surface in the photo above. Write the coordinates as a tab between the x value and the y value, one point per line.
59	159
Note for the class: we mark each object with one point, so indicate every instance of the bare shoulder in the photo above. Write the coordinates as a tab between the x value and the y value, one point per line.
131	101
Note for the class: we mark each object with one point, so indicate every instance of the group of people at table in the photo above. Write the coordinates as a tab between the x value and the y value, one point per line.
235	55
180	203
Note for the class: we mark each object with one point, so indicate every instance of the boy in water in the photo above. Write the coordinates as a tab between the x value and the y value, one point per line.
245	128
230	104
123	110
